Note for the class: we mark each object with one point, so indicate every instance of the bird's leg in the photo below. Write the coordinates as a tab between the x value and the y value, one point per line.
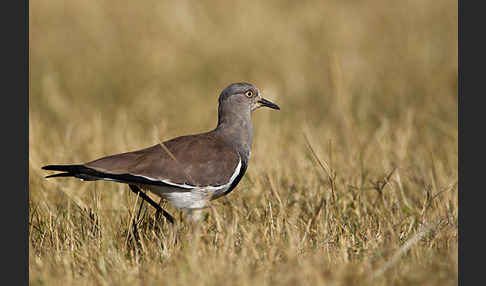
137	190
140	210
157	213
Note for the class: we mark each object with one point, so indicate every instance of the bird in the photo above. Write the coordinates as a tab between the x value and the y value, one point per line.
188	171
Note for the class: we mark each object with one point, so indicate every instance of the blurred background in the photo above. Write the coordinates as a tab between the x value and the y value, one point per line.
114	76
164	63
373	84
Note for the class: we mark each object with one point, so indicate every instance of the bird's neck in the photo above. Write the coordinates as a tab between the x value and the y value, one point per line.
236	130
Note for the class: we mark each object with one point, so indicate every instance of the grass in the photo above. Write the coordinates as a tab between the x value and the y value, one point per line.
353	182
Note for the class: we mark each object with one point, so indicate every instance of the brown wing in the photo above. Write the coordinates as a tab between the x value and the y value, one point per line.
197	160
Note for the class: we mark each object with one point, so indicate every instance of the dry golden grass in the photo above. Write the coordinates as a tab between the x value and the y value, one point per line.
353	182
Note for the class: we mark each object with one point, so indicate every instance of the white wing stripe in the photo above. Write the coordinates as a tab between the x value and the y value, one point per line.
185	186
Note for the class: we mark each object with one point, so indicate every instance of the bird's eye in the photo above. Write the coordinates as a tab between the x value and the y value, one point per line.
249	93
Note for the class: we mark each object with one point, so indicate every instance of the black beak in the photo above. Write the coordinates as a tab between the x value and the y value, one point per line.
268	103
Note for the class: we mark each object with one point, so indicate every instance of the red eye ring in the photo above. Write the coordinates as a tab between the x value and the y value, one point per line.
249	93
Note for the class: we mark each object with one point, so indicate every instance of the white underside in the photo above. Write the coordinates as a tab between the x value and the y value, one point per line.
193	197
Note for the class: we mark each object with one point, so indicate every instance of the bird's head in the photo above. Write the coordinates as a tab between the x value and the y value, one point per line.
244	94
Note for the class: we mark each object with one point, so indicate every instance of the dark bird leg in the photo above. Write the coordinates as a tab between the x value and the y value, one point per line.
140	209
157	213
144	196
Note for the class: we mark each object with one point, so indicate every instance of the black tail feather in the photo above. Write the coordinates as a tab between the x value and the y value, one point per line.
78	171
88	174
60	175
64	168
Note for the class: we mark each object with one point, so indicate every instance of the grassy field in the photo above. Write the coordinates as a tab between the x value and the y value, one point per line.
353	182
